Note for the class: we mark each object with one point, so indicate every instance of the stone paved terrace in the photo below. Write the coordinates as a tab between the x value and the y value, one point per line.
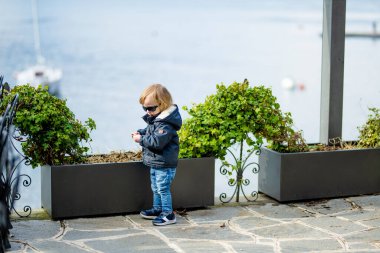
335	225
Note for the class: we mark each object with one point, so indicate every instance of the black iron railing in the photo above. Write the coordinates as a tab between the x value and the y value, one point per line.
9	169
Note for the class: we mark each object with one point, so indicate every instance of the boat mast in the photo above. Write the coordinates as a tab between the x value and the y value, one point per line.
36	31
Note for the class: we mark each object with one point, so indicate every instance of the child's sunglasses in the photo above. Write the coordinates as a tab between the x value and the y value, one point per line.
150	108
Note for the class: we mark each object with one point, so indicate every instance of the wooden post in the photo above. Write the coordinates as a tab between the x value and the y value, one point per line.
333	38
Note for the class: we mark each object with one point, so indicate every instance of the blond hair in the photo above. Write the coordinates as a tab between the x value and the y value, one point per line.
160	94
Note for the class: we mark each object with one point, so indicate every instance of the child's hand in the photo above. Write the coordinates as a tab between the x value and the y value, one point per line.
136	137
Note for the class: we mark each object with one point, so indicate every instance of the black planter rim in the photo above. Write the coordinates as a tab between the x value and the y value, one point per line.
319	152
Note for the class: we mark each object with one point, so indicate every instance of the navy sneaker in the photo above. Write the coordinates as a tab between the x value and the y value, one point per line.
150	214
164	219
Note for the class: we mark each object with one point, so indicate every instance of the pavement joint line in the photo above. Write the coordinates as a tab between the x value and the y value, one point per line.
353	204
179	239
188	219
265	241
319	214
227	246
133	223
377	245
214	222
81	245
273	225
342	212
362	224
354	222
64	228
257	239
336	236
360	231
156	233
259	215
223	244
297	239
236	228
32	248
342	218
305	210
370	219
165	239
104	238
25	244
277	246
103	229
340	251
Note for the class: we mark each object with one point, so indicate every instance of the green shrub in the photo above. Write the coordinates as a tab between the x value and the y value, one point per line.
235	114
53	135
370	132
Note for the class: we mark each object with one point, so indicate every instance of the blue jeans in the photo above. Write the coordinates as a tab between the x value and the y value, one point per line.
161	180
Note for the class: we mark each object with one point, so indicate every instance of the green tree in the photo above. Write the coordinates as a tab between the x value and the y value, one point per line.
237	114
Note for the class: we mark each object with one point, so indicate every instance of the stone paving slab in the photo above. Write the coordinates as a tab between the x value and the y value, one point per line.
137	243
277	211
362	215
367	201
362	245
309	245
290	230
56	246
251	247
335	225
371	222
112	222
220	213
200	246
249	222
85	234
370	235
213	232
325	206
35	229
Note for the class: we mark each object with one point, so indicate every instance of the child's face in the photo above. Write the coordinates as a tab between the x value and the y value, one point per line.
151	106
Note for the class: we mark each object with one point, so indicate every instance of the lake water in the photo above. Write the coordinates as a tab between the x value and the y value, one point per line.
110	50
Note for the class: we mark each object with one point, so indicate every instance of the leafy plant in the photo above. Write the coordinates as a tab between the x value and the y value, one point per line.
53	134
237	114
369	133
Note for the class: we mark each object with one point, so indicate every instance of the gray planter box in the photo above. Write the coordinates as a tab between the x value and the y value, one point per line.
324	174
81	190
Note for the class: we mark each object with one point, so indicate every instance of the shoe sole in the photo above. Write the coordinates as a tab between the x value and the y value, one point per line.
148	217
165	223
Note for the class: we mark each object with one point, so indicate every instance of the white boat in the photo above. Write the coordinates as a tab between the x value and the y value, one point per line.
40	73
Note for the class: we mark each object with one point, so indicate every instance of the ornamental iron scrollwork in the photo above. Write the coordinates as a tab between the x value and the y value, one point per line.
26	179
10	174
238	168
9	169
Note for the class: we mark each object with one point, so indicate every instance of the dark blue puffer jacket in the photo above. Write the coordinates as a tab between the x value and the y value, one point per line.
159	139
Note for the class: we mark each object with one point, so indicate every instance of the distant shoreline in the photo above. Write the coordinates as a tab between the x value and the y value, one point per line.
363	35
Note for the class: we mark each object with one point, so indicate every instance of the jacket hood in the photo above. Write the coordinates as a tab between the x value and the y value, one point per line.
170	115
